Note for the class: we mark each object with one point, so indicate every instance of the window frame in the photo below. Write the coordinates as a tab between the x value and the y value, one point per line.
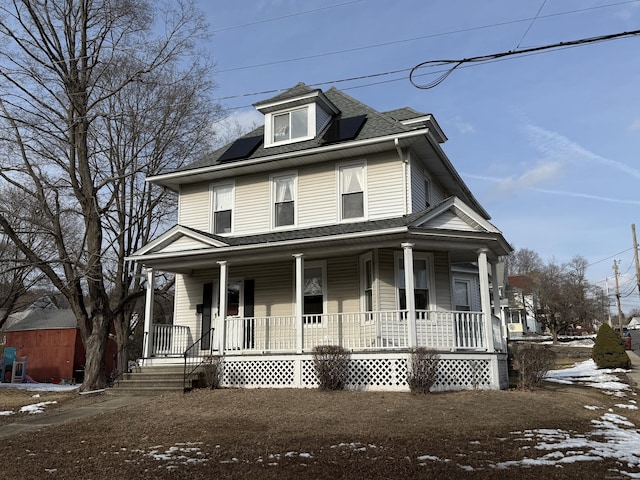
340	168
269	125
430	278
273	181
212	219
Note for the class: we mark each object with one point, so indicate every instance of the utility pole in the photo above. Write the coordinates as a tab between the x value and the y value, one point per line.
615	274
635	254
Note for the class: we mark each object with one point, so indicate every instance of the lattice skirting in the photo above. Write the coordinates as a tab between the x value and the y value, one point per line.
376	372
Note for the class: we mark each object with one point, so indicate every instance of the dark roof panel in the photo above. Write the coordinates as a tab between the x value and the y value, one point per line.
345	129
241	148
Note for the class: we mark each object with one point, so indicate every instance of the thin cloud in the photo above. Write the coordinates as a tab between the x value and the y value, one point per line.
635	125
464	127
564	193
559	147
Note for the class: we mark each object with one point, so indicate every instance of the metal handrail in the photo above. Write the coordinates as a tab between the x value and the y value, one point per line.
194	365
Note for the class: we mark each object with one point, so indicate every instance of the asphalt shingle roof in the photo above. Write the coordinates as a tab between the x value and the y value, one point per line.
377	124
44	318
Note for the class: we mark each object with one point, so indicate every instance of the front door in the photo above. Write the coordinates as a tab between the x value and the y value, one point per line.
239	323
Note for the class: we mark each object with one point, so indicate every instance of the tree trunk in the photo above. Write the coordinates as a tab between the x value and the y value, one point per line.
121	328
95	345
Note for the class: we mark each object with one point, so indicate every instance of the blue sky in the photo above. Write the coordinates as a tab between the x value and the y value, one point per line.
548	143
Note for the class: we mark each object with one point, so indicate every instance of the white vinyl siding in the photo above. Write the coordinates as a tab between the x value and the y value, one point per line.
386	280
316	195
184	244
322	119
343	285
418	200
449	221
252	209
441	269
194	209
385	187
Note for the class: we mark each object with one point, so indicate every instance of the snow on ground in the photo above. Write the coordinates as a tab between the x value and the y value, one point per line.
41	387
36	407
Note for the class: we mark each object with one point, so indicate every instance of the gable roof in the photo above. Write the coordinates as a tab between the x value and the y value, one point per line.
43	319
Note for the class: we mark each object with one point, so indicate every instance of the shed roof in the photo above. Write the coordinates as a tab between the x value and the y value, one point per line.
43	319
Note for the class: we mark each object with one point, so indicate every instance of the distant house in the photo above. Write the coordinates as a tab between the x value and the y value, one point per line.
521	307
634	323
331	224
50	340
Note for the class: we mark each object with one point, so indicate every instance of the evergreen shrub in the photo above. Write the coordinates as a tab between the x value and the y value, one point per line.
609	349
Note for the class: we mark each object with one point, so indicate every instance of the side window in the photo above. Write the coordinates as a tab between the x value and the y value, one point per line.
366	281
314	293
222	208
462	295
352	188
421	275
284	198
427	193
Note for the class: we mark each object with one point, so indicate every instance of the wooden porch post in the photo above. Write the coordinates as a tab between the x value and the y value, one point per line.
497	311
223	280
407	249
148	314
485	298
299	280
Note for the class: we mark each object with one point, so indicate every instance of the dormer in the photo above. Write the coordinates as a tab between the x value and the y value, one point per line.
298	114
415	120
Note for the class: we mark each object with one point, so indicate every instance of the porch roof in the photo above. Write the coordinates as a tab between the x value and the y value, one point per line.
426	229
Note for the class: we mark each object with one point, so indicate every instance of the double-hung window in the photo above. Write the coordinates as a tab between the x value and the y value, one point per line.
290	125
222	208
352	186
284	199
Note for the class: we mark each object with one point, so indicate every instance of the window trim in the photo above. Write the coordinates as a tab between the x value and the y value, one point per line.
428	258
427	191
339	169
272	180
212	216
269	140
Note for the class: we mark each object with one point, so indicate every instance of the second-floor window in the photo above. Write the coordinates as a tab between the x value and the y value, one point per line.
284	199
222	208
352	191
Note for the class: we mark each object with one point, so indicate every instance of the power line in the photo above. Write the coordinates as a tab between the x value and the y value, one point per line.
424	37
533	20
494	56
267	20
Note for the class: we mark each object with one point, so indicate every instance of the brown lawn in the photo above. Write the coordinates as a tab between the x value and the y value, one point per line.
291	434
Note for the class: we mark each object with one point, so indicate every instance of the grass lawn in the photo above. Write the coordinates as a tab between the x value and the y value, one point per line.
282	434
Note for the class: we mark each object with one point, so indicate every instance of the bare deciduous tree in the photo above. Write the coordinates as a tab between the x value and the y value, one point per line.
95	95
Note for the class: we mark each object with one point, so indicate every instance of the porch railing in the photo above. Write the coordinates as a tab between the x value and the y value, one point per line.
363	331
169	340
195	355
440	330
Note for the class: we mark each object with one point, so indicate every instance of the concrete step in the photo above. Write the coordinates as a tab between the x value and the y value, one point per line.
152	380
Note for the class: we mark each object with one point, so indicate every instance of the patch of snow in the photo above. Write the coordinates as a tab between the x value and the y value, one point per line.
36	407
41	387
6	413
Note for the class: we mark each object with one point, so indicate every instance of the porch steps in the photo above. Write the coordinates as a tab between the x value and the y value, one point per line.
150	381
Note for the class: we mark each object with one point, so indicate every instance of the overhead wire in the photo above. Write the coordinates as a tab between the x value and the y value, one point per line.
533	20
494	56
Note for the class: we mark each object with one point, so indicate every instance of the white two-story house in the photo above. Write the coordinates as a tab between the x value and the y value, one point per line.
334	224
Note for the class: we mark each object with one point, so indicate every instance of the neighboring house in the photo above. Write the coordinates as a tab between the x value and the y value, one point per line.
634	323
332	224
48	337
521	306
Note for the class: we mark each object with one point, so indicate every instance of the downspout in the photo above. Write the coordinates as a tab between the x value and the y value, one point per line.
405	179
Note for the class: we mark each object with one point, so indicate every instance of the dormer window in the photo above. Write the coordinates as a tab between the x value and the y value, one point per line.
296	115
291	125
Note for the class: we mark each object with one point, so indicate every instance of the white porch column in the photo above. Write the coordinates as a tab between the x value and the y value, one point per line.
148	314
299	280
410	298
223	280
485	298
497	309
